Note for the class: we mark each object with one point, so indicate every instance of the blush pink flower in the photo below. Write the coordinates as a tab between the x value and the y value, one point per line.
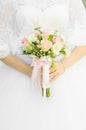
24	41
46	45
56	39
45	36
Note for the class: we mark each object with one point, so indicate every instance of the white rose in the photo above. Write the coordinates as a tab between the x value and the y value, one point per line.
32	38
56	48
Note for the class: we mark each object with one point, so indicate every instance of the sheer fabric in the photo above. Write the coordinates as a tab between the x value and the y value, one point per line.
15	22
77	23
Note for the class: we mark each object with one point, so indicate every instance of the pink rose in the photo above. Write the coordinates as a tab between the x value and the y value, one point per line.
56	39
24	41
46	45
45	36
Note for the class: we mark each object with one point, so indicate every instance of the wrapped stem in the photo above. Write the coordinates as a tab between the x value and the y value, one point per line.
46	88
46	91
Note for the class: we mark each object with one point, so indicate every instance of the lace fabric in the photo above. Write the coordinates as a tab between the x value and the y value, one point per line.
77	23
4	49
11	21
8	38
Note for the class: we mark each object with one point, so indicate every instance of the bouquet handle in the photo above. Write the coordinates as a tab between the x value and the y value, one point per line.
45	81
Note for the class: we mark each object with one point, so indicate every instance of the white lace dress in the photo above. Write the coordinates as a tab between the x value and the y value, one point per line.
21	106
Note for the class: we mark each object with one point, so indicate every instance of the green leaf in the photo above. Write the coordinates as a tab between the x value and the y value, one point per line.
53	65
39	37
63	51
37	28
28	49
50	37
29	41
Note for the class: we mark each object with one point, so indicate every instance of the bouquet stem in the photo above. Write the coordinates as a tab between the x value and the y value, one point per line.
46	92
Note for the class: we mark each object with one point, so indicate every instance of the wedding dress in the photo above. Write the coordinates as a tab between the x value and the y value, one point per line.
21	105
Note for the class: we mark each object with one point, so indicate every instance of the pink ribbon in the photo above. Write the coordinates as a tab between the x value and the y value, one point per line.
37	69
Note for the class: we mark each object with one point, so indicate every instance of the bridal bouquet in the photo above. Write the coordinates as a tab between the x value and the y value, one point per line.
44	46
